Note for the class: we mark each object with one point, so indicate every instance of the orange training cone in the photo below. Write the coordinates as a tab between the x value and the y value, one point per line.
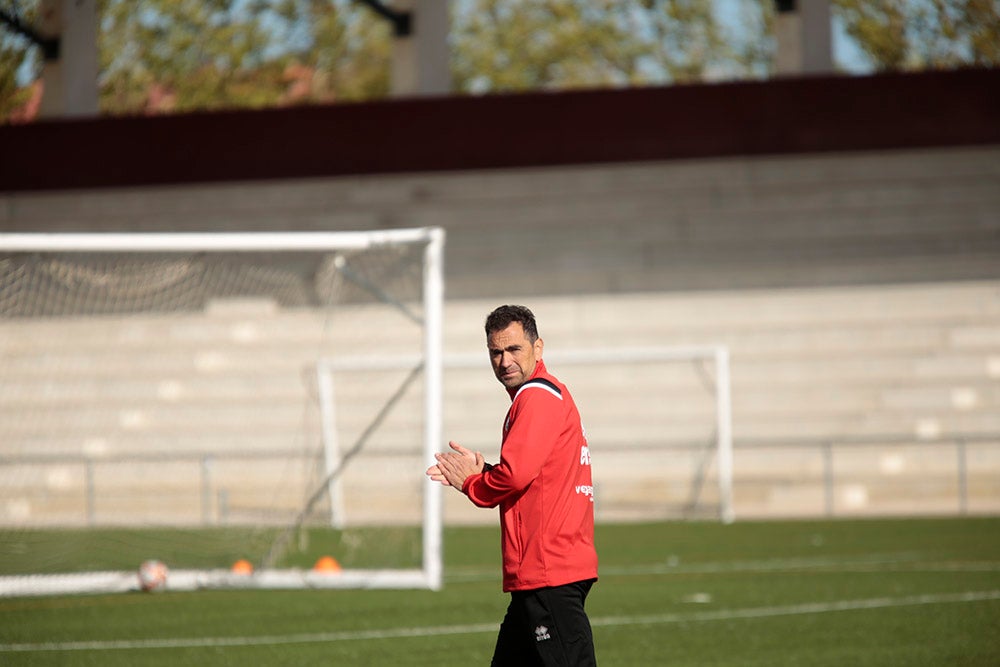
242	566
327	565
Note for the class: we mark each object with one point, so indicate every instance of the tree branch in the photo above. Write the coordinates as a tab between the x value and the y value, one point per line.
401	26
49	45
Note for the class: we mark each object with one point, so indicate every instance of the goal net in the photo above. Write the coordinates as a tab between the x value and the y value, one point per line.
168	397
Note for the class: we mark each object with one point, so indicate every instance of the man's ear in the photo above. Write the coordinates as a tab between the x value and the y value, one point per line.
539	346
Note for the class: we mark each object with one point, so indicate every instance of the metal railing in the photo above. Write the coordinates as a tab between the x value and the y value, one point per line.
213	504
828	447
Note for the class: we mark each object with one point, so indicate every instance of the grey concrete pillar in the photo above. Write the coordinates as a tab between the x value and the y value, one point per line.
71	79
803	34
421	61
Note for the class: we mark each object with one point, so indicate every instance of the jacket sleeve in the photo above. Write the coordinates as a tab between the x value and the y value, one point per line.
534	431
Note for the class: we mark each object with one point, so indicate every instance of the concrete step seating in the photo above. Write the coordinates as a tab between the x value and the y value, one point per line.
920	361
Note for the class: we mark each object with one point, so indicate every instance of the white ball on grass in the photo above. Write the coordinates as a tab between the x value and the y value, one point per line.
152	575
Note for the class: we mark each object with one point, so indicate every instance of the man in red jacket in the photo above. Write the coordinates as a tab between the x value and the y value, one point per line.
545	491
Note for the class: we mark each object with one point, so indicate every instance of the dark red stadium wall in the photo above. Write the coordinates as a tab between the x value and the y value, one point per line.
778	117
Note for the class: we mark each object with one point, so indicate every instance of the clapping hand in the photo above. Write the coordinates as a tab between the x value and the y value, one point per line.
453	468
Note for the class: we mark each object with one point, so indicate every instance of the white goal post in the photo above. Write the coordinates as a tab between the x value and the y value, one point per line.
70	467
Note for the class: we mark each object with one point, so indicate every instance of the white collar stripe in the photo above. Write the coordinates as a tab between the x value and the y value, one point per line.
539	385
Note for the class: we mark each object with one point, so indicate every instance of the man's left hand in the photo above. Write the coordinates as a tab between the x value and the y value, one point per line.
453	468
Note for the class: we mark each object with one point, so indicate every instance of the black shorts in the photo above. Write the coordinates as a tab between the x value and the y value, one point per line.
546	627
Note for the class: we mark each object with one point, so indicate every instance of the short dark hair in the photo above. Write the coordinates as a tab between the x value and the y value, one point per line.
504	316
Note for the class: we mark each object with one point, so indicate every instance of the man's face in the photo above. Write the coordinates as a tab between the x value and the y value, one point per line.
512	355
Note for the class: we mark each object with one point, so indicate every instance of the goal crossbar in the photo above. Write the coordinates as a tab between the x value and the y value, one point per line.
212	241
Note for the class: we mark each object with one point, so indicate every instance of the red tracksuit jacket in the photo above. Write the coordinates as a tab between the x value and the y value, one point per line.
544	488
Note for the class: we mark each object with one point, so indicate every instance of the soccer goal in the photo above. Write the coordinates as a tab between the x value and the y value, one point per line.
163	398
659	423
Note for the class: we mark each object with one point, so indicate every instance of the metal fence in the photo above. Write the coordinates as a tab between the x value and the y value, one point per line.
872	475
853	476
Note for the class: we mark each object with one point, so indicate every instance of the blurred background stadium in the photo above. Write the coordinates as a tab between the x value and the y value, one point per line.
768	177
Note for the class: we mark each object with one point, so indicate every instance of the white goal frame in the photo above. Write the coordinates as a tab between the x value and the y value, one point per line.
430	573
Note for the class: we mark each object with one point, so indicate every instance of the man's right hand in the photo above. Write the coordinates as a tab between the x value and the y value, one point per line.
453	468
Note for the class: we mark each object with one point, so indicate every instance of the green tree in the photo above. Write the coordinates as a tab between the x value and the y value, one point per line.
16	53
506	45
687	42
179	55
500	45
879	28
206	54
12	95
159	56
345	48
753	45
921	34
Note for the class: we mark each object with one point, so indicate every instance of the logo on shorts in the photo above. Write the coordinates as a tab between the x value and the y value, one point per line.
542	633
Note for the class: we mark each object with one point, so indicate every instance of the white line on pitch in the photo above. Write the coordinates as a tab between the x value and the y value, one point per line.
395	633
806	608
905	561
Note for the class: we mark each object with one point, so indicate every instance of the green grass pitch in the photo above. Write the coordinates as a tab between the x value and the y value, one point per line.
849	592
